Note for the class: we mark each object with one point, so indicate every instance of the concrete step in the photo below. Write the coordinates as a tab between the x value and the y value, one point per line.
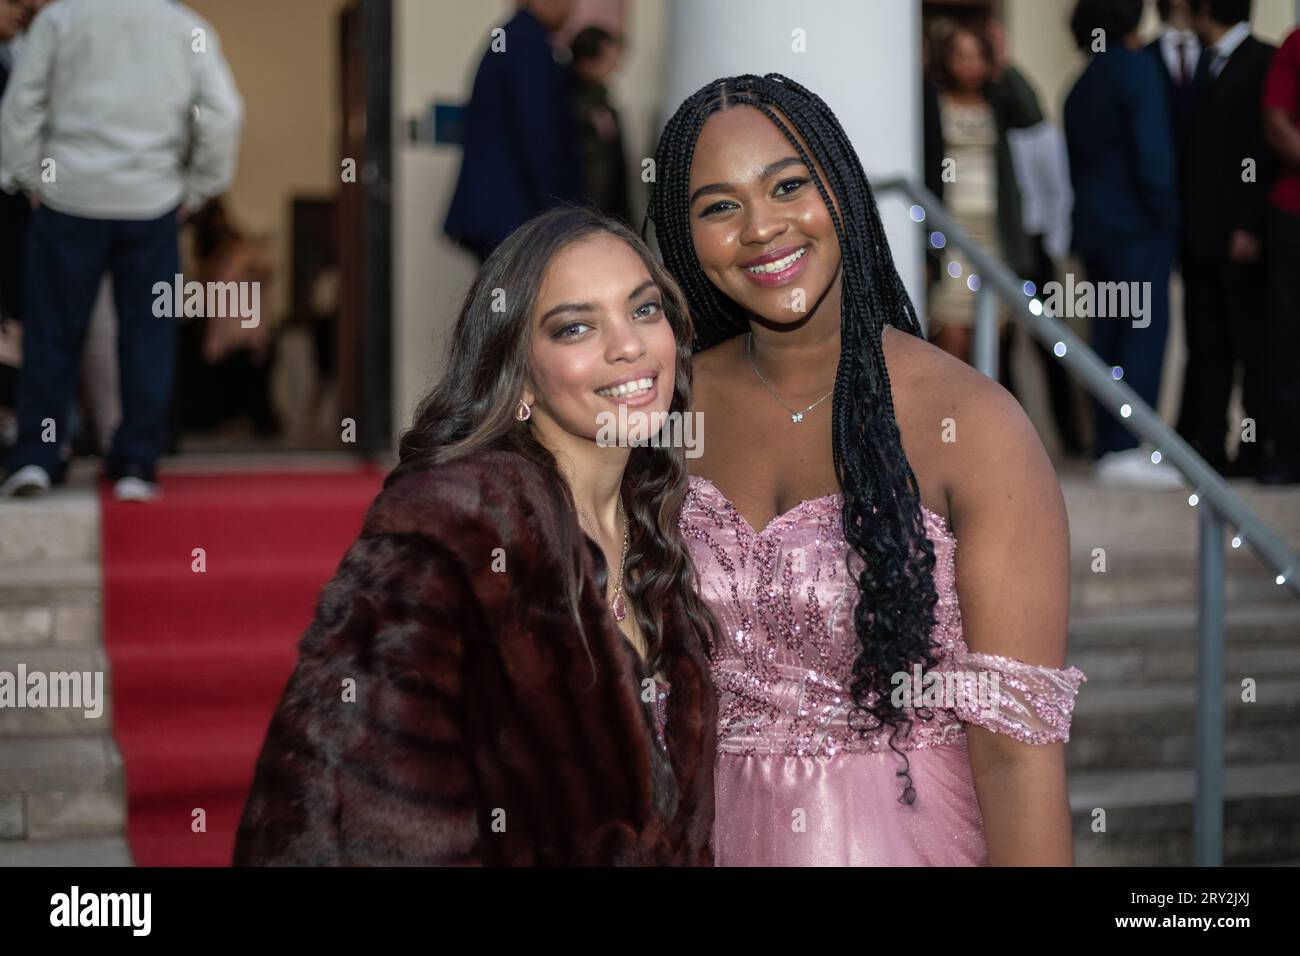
50	720
1156	581
1168	627
60	788
1151	544
1116	518
44	603
62	526
1118	727
1145	665
1156	645
1147	662
37	765
86	851
1148	815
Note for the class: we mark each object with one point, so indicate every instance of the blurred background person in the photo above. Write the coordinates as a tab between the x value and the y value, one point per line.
596	53
1042	176
98	412
115	119
1047	202
94	417
931	149
15	211
1223	272
1177	51
1281	109
521	152
223	369
1120	144
980	98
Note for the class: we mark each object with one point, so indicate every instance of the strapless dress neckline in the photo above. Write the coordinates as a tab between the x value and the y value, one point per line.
800	778
935	523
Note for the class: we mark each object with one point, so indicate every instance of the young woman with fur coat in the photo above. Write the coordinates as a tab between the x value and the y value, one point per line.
509	667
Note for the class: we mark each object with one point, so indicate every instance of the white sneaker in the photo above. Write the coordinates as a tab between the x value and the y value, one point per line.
134	489
27	482
1135	469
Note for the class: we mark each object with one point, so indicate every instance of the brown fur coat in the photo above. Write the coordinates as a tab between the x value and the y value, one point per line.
475	734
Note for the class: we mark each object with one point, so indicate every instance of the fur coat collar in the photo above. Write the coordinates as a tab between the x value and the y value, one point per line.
444	710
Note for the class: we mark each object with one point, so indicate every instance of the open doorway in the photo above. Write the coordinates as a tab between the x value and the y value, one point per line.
307	218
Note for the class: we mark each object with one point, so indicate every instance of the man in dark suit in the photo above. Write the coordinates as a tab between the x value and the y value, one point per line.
1228	170
521	142
1125	214
1176	51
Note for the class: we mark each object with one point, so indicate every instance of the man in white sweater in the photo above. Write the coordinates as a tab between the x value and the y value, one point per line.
120	117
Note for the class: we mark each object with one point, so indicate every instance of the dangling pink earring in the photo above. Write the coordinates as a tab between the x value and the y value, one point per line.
523	412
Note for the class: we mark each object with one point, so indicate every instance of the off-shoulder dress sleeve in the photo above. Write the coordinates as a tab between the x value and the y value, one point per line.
1030	702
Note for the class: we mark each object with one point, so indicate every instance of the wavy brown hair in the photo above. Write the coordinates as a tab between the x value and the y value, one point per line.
473	409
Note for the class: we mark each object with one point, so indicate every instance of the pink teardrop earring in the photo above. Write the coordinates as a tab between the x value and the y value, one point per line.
522	411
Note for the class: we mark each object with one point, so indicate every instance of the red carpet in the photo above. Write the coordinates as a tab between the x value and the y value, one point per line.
198	661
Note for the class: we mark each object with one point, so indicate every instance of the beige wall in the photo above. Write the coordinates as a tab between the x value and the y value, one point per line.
283	54
437	48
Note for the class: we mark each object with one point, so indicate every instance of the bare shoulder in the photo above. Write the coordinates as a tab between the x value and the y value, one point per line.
712	369
717	358
963	432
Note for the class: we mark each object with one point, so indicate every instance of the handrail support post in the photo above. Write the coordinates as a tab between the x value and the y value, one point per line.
985	346
1208	827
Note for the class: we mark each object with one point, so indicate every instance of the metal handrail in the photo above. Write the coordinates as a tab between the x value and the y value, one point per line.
1217	502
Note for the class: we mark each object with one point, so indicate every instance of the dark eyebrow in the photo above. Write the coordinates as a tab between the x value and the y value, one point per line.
588	307
769	170
648	284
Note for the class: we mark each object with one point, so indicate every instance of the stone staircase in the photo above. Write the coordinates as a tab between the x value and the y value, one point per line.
1133	631
62	788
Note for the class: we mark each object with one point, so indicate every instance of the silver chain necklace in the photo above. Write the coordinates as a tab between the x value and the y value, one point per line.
795	416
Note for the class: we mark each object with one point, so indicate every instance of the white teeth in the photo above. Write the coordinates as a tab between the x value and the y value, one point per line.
780	264
627	389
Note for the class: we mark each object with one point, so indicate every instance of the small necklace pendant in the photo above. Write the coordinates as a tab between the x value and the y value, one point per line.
797	417
619	608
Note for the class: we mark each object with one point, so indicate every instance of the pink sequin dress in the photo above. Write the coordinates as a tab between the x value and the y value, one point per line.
794	785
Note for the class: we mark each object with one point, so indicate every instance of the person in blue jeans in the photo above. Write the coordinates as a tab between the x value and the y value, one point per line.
1120	143
111	148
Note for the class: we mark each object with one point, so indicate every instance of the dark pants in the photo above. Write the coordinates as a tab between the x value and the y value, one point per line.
1280	414
1140	352
1225	321
15	214
67	257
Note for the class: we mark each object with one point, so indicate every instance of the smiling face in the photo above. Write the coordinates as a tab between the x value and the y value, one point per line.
601	339
761	232
967	64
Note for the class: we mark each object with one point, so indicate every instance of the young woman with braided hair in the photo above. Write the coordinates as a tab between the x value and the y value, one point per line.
863	454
